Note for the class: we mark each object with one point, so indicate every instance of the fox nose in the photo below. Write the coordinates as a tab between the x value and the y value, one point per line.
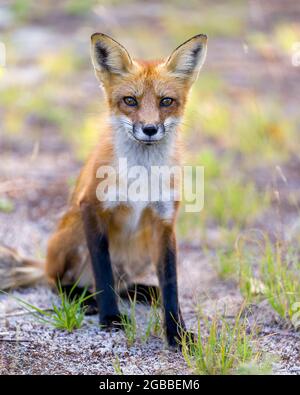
150	130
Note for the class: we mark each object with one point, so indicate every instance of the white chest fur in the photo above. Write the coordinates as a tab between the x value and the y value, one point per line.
134	163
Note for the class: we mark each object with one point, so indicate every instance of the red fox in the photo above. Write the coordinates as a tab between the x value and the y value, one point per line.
107	243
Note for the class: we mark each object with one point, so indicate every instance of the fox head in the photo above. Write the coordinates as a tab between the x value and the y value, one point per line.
146	98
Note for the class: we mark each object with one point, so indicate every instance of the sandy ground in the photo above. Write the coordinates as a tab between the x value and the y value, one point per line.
30	347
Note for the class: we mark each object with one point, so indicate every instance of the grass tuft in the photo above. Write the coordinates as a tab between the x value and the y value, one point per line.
68	315
154	326
274	276
117	366
221	349
227	264
129	322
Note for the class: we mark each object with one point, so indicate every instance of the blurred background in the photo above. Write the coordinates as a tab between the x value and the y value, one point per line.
242	120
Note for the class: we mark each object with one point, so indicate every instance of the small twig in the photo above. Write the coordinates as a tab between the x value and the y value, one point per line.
16	340
21	313
281	333
15	314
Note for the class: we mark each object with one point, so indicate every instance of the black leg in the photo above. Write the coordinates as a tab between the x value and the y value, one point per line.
167	274
144	293
98	247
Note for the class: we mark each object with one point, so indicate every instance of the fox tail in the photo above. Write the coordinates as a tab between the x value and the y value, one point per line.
17	271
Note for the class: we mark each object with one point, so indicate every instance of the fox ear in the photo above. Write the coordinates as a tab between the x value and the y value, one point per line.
108	56
187	59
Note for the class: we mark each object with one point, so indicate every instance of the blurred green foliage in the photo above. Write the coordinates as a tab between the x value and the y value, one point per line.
231	130
6	205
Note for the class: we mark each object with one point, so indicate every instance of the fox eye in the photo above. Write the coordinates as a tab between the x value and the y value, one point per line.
166	102
130	101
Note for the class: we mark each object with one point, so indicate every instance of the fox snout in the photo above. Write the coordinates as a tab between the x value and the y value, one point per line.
148	133
150	130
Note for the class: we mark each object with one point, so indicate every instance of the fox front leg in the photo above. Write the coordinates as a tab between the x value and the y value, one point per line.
167	275
97	243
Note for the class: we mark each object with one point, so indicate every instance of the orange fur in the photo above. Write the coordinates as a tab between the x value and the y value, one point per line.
136	233
130	250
